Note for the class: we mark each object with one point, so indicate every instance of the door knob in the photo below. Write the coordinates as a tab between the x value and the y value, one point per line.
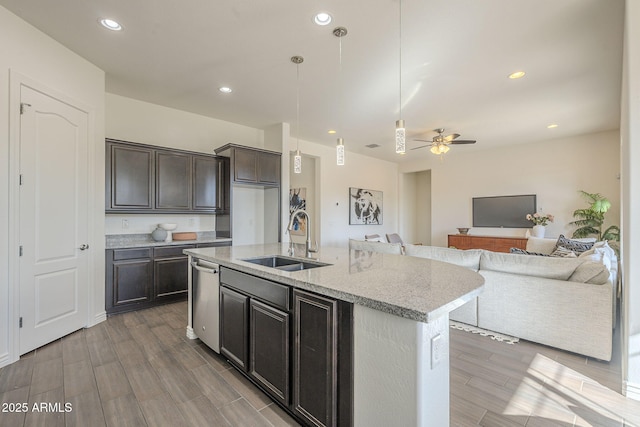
83	247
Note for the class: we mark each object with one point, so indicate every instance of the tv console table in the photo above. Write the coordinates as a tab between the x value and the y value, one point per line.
491	243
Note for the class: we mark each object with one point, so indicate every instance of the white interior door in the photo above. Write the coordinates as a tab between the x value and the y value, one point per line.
53	219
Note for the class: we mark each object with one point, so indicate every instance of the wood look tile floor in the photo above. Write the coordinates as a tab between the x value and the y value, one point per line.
139	369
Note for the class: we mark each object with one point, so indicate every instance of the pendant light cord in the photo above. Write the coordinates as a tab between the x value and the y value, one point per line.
298	107
400	55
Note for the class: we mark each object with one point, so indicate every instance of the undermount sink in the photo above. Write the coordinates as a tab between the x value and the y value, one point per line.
285	263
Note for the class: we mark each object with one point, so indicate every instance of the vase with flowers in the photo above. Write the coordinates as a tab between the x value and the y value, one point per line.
540	221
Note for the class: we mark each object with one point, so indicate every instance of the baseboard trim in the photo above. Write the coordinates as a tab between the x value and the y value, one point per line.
190	334
6	360
632	391
99	318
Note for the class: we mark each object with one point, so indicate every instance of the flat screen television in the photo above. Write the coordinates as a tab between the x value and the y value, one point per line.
503	211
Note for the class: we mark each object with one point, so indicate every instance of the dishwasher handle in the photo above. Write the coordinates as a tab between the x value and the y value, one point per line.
198	267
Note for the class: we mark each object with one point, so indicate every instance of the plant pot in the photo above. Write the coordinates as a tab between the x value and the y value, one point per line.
538	231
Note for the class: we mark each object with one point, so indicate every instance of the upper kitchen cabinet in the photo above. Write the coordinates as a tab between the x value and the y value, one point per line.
129	177
210	183
145	178
251	165
173	181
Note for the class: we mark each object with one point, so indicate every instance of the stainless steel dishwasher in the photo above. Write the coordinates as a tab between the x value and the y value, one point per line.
206	302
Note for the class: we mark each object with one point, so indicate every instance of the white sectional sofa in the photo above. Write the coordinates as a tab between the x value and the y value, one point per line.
567	303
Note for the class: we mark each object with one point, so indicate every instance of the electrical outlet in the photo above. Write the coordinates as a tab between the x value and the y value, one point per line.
192	221
125	224
436	351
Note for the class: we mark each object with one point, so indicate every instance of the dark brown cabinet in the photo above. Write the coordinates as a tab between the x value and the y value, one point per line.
316	363
234	331
139	278
173	181
145	178
129	177
297	350
210	185
252	165
269	333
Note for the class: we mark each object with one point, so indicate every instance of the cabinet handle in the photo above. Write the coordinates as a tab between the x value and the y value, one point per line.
83	247
204	270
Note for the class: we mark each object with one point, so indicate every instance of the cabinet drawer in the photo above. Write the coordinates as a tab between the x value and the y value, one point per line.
213	244
170	251
134	253
262	289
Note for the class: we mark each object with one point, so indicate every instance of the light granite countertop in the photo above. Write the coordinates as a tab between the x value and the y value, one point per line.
122	241
415	288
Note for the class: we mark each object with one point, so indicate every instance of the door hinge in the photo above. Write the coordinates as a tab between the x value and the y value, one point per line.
22	105
21	322
20	250
20	181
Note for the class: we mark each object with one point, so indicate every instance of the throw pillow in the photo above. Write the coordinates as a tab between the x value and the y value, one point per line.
523	252
562	252
575	246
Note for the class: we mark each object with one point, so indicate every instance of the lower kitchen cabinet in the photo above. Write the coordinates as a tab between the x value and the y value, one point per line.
234	330
269	333
139	278
298	351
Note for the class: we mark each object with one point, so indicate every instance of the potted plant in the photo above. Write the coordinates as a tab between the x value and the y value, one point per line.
589	220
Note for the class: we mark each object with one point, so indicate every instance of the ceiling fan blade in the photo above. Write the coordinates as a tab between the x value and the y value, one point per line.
463	141
422	146
423	140
450	137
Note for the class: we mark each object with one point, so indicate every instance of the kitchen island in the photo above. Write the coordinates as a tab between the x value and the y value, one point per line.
399	310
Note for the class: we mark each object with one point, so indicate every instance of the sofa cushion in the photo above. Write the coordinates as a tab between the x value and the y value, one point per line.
464	258
563	252
537	266
541	245
523	252
577	246
591	272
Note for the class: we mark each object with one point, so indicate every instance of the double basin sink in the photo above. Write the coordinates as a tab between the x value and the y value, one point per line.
284	263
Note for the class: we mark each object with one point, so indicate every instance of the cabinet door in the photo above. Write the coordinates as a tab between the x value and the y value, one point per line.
269	349
128	283
268	168
173	181
129	177
315	359
245	165
170	278
206	192
234	328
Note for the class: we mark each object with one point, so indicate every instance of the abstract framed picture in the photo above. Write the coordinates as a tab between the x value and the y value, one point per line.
365	206
298	200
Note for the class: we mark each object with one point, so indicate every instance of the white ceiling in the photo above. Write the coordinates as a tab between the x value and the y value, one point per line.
456	55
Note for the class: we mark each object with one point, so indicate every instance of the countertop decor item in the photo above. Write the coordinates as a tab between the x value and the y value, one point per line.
159	234
169	226
184	236
463	230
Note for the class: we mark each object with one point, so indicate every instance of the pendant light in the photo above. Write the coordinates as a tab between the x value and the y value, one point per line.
297	158
400	129
340	32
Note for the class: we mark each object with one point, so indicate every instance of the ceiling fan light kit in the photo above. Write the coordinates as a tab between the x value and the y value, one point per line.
439	144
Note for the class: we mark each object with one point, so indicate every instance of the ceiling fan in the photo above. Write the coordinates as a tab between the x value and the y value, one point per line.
440	143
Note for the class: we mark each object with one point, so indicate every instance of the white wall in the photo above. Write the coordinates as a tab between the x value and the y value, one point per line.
361	172
415	207
553	170
630	136
31	53
137	121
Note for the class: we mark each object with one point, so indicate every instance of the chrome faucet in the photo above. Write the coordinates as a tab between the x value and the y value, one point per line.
309	248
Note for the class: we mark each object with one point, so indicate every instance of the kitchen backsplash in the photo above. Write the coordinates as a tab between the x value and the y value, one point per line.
137	223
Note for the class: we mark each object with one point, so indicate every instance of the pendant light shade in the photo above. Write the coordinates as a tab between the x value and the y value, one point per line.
340	152
297	162
400	137
297	158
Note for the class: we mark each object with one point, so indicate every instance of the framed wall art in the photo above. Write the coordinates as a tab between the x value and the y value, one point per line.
365	206
298	200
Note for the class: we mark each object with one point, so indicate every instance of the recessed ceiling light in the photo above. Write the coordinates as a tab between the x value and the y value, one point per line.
322	18
552	126
110	24
225	89
331	132
517	75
